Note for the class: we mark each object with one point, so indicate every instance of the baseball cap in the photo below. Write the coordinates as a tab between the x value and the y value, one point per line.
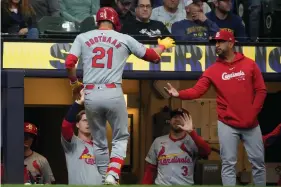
189	2
224	35
179	111
30	128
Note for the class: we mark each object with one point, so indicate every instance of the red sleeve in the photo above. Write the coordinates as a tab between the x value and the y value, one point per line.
260	89
67	130
149	173
271	137
70	61
203	147
151	56
200	88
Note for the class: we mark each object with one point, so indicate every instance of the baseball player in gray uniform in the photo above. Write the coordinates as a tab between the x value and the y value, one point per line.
103	54
37	165
79	154
171	158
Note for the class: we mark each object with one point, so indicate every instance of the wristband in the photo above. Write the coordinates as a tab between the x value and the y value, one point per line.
162	47
73	79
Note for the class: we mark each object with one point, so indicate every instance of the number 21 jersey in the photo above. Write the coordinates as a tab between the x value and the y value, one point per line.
104	53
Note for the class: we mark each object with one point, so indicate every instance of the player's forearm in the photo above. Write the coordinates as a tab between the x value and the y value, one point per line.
149	173
69	121
203	147
153	55
197	91
260	90
70	63
71	73
259	100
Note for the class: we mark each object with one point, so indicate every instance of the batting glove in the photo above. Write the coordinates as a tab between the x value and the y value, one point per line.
166	42
75	85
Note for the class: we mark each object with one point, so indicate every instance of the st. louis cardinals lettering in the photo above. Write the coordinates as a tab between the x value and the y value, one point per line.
172	157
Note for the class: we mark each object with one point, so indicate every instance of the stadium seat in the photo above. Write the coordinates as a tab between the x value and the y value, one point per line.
57	27
88	24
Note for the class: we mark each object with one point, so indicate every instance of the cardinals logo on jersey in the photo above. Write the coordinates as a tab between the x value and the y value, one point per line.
89	159
183	147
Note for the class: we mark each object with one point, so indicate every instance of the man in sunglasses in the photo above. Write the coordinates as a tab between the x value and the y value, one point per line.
226	20
124	10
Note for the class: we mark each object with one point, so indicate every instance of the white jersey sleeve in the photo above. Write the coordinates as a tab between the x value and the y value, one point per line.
152	154
136	48
76	48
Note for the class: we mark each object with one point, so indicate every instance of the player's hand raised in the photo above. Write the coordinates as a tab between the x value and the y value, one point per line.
166	42
187	123
76	88
171	90
81	100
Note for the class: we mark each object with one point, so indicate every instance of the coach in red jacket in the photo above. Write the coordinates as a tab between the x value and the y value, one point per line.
240	96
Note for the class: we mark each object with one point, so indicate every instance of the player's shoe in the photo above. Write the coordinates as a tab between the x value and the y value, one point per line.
110	180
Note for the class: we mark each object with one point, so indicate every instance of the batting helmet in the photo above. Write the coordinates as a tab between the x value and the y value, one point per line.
30	128
109	14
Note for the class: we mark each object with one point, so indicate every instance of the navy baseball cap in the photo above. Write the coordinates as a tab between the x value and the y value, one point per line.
179	111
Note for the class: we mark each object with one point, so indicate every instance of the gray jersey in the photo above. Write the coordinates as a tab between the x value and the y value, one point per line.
104	54
80	161
174	159
39	168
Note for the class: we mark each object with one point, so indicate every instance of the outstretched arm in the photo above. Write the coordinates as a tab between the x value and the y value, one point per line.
200	88
150	54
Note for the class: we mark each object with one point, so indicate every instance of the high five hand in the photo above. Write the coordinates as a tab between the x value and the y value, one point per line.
187	123
171	90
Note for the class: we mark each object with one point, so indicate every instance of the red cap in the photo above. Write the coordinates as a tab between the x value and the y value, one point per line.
30	128
225	35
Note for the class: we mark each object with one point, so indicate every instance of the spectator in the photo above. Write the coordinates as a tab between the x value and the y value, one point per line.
206	8
79	153
225	19
171	158
78	10
254	19
124	10
45	8
144	28
37	165
169	13
18	18
196	26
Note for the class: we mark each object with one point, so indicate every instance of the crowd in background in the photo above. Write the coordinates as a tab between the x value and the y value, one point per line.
186	20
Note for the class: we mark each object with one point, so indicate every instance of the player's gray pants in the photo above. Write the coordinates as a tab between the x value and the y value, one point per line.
107	104
252	139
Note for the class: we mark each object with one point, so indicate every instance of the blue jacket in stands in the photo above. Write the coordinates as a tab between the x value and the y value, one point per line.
232	23
188	30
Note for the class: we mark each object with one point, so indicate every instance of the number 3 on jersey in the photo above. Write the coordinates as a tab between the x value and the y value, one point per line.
185	170
101	54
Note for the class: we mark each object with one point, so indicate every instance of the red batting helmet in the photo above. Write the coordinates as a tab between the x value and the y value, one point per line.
30	128
109	14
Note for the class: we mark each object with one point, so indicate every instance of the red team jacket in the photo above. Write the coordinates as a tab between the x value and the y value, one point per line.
240	90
